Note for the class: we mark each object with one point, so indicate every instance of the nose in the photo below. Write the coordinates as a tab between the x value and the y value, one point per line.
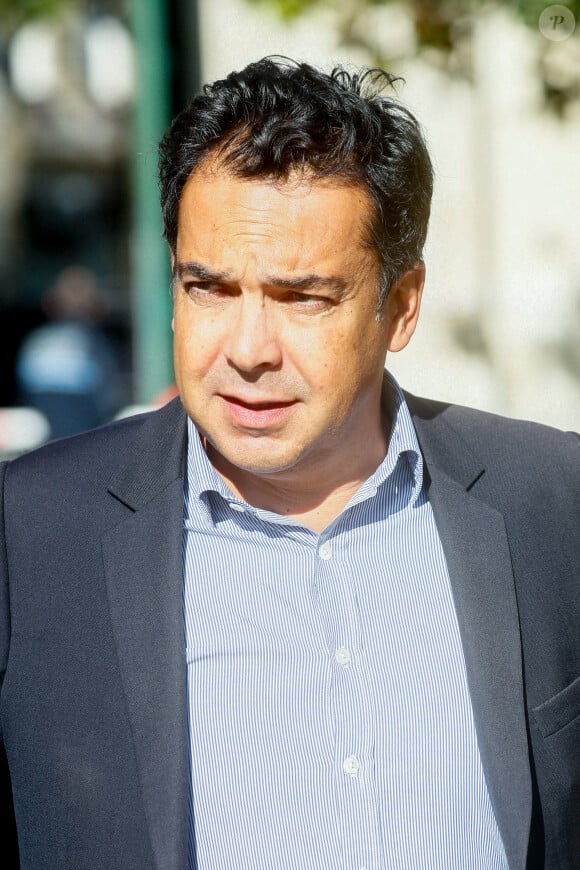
252	342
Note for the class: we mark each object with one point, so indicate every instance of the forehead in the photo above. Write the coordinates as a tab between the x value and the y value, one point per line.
316	216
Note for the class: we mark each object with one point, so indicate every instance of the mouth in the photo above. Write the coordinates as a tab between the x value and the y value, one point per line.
252	414
258	406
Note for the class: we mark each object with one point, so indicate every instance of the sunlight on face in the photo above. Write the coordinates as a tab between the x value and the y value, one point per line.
279	356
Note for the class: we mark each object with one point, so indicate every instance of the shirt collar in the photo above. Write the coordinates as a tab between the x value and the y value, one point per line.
403	445
202	478
403	439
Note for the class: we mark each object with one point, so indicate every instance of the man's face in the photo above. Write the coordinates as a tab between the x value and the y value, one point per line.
279	356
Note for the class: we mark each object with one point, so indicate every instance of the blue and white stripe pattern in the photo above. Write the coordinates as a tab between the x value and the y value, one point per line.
330	720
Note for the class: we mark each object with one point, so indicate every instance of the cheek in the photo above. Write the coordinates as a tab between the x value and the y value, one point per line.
196	344
325	363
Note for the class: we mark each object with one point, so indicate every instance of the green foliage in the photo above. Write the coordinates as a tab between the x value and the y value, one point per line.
434	19
529	11
287	10
15	12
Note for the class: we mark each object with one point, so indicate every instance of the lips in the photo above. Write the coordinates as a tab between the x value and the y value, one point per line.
258	406
253	414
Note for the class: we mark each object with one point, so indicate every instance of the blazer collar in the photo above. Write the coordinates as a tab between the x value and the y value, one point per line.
476	547
156	458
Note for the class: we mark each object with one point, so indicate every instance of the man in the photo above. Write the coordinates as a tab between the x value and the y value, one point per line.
313	622
68	368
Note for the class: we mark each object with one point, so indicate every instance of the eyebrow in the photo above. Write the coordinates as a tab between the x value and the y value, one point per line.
196	270
192	269
307	282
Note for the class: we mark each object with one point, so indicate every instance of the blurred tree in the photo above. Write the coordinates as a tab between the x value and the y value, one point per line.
14	12
435	20
442	31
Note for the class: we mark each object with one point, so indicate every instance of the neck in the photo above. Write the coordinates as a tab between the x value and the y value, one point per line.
304	497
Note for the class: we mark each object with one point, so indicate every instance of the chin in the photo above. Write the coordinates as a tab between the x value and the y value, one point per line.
257	462
251	465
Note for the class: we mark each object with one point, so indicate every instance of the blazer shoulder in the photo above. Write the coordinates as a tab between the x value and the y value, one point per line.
509	463
493	437
148	445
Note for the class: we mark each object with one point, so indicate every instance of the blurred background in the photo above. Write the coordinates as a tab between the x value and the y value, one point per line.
87	88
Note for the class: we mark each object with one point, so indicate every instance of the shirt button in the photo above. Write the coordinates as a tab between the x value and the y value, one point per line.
351	765
237	507
324	551
342	656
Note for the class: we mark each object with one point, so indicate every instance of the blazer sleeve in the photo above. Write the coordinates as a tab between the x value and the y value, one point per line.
4	599
8	835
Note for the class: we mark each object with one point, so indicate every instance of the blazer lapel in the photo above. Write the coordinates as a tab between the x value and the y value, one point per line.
476	548
143	567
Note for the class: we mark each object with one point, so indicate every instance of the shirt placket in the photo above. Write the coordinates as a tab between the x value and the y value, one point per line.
350	706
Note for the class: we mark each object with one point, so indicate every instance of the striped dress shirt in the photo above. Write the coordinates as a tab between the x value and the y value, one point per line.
330	721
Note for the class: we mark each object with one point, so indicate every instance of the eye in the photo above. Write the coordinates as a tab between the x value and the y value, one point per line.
205	291
306	301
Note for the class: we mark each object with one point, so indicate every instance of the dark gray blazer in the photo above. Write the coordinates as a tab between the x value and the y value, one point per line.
93	698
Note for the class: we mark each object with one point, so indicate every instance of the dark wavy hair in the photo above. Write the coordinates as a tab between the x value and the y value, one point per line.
278	116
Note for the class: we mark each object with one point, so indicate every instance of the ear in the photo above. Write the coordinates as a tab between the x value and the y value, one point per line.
402	307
